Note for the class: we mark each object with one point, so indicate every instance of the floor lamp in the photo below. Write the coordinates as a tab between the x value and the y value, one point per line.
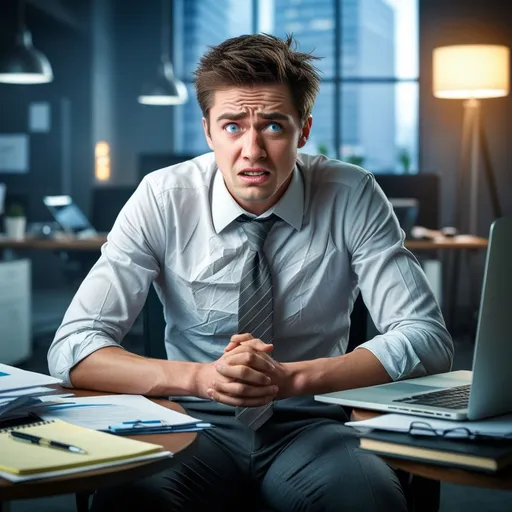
472	72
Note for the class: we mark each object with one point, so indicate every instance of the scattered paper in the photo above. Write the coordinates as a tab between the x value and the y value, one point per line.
497	426
101	412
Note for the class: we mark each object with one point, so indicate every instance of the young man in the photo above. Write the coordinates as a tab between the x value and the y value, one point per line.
253	333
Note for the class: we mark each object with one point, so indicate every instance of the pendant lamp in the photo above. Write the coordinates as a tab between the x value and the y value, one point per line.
21	63
165	89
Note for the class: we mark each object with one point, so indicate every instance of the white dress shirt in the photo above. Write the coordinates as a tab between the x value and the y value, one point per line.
337	235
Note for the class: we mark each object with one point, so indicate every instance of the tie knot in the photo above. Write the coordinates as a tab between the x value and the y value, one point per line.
256	230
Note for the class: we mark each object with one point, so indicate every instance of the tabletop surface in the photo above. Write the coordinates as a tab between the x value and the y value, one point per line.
95	243
95	479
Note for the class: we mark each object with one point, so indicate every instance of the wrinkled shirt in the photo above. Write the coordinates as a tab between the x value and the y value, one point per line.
337	235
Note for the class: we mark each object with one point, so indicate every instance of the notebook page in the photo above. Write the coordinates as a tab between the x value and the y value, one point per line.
23	458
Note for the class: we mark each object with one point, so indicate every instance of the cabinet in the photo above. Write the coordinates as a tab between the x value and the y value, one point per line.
15	311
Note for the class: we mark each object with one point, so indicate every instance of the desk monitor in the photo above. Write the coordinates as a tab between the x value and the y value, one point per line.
69	216
406	210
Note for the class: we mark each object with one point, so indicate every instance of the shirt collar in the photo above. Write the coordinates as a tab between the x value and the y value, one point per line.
289	208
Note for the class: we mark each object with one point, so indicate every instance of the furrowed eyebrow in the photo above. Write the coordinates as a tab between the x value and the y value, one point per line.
230	116
274	116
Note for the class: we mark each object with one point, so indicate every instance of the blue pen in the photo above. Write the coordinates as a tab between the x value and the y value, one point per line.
143	422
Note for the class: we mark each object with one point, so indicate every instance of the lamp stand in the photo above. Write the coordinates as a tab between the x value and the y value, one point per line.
475	150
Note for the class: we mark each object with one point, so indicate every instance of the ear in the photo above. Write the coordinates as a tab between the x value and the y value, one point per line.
207	133
306	129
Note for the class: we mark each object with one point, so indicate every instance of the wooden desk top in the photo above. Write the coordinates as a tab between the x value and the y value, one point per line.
499	480
95	243
88	481
54	244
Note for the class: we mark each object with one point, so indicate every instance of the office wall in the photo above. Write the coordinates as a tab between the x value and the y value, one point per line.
462	22
136	55
60	160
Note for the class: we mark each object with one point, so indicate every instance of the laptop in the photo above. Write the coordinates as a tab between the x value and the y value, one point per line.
460	395
69	216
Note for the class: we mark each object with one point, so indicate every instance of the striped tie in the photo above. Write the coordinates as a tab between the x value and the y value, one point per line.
255	307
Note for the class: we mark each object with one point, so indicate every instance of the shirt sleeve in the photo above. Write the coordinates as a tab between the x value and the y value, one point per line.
413	340
112	295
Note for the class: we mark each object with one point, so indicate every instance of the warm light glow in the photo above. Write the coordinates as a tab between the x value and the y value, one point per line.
471	71
102	159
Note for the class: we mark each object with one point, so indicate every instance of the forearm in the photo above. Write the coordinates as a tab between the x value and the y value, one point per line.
114	370
357	369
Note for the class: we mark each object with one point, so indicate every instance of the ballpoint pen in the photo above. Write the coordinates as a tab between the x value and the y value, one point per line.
29	438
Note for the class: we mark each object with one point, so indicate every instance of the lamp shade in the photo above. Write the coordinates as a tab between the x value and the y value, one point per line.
471	71
165	89
23	64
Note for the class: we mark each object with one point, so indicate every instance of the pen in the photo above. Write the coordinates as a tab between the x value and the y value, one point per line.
29	438
143	422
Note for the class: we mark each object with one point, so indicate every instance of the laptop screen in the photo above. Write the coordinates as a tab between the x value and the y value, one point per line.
68	215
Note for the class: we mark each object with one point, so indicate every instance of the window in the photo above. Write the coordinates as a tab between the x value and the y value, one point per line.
367	109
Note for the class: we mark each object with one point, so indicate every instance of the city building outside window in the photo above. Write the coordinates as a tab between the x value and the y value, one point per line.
367	109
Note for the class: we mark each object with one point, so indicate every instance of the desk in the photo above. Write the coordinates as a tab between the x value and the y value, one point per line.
84	483
95	243
453	245
500	480
54	244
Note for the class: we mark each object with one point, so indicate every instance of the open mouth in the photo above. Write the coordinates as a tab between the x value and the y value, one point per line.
254	173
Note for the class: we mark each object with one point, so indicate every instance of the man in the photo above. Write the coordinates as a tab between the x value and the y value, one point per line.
253	333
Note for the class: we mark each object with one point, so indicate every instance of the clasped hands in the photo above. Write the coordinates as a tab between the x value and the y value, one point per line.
245	375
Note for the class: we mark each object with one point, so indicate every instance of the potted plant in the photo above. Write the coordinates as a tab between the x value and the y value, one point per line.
404	157
15	222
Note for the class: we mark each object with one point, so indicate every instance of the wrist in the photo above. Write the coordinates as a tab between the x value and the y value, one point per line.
306	377
180	378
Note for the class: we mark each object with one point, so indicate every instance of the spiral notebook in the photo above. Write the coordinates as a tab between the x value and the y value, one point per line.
20	458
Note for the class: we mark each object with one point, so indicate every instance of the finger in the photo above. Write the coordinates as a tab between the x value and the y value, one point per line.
236	339
258	345
247	358
242	390
237	401
244	374
220	392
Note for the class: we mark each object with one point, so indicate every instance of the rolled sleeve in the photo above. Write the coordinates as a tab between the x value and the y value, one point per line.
112	295
413	340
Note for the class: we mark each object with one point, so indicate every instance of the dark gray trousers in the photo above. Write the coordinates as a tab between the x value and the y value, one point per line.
302	459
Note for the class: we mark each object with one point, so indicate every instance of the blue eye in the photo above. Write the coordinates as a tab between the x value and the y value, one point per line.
231	128
274	128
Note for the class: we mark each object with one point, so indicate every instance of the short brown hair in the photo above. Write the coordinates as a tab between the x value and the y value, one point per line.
258	59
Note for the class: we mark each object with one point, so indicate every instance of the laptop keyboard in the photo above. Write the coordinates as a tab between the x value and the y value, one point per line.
451	398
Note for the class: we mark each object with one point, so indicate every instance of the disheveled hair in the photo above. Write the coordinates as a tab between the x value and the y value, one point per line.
258	59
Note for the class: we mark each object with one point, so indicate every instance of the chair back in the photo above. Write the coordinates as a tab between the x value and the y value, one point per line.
153	325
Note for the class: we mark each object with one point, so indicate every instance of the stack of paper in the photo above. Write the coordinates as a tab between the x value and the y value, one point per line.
495	427
122	414
21	391
484	445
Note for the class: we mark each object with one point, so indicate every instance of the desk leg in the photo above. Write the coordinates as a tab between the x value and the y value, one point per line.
422	494
82	501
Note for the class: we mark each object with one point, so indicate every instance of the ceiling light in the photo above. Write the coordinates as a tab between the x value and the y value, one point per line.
21	63
165	89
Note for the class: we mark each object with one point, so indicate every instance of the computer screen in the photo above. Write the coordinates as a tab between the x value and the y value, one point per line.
68	215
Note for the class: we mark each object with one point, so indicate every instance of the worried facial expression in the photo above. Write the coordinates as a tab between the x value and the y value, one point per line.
255	133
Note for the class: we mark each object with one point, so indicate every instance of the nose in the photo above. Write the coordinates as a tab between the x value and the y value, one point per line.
253	148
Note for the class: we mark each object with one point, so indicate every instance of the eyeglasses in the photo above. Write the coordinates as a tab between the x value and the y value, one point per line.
423	428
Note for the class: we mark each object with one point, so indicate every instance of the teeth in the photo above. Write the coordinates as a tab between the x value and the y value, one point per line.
255	173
